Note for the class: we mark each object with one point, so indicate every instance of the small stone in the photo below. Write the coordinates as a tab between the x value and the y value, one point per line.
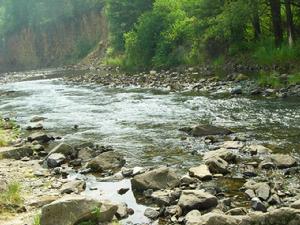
123	191
151	213
263	191
202	172
55	160
217	165
257	205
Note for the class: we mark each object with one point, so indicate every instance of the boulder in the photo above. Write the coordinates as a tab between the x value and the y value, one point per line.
206	130
16	152
237	211
122	211
196	199
75	186
202	172
226	154
213	218
192	217
217	165
151	213
257	205
283	161
258	150
165	197
263	191
37	119
106	161
71	210
55	160
64	149
40	137
296	204
160	178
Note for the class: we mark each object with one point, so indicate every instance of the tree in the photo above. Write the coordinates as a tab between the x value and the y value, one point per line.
289	22
275	6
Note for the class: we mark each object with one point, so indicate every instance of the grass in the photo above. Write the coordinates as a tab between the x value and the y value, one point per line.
294	79
114	61
11	198
37	220
271	80
9	131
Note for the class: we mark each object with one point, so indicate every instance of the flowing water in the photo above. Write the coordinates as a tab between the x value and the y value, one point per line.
143	124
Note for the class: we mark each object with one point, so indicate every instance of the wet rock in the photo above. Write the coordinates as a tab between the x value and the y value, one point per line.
217	165
283	161
86	154
232	145
75	162
106	161
16	152
226	154
151	213
160	178
75	186
257	205
55	160
122	211
206	130
123	191
236	90
43	200
237	211
259	150
165	197
40	137
263	191
192	218
202	172
71	210
64	149
37	119
196	199
296	204
35	127
127	172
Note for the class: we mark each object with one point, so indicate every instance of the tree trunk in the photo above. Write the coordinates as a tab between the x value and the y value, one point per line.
289	22
255	19
276	20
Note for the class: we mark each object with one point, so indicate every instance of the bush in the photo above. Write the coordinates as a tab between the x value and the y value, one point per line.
269	80
11	198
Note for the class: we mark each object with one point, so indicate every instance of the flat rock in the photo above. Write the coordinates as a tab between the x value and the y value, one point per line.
16	152
40	137
232	145
70	210
202	172
283	161
64	149
217	165
160	178
258	150
55	160
106	161
228	155
263	191
196	199
75	186
151	213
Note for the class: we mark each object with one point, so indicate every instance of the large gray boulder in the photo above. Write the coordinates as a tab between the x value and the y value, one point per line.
64	149
283	161
160	178
73	209
196	199
106	161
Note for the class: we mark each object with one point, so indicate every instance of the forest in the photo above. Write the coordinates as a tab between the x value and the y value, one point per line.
166	33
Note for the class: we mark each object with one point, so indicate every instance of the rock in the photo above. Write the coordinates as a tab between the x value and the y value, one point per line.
274	200
55	160
259	150
3	185
151	213
226	154
75	186
296	204
75	162
250	193
257	205
64	149
237	211
160	178
40	137
206	130
122	211
164	197
217	165
71	210
232	145
35	127
263	191
196	199
38	148
173	210
16	152
201	172
106	161
123	191
37	119
236	90
192	217
43	200
213	218
283	161
267	164
186	179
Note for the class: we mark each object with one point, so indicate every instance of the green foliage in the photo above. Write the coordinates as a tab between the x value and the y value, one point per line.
94	220
294	79
9	131
271	80
10	199
37	220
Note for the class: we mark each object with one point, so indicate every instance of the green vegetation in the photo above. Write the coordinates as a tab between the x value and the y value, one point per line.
269	80
37	220
9	131
191	32
95	214
11	199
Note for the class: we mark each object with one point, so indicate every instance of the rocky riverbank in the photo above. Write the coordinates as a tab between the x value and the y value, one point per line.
201	80
236	182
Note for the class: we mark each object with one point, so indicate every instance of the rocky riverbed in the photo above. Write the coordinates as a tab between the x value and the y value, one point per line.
149	156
